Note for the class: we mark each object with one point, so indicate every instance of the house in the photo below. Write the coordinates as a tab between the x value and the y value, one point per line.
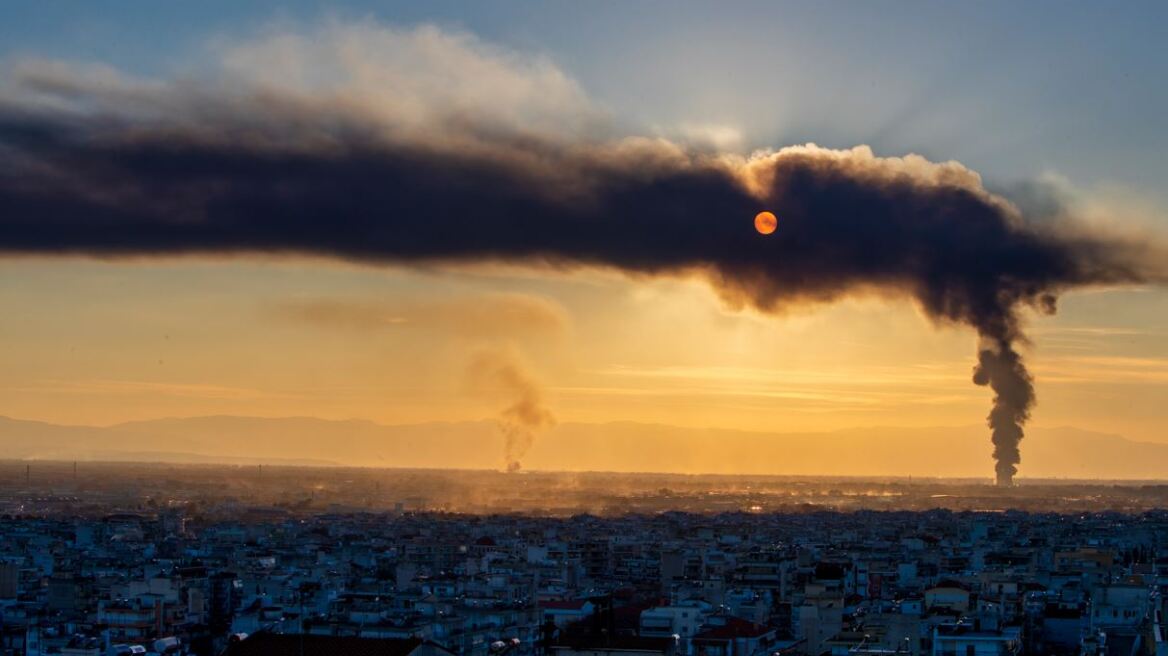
734	637
1064	626
949	595
683	619
563	613
1119	605
964	639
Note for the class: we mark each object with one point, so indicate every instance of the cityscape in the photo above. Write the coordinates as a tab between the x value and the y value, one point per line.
563	328
111	559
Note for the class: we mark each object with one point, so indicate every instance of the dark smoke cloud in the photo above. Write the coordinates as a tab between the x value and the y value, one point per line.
1000	367
116	168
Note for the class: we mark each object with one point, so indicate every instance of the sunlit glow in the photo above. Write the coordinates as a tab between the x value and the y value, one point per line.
765	222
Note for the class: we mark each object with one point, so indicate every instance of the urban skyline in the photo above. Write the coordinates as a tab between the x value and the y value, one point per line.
750	328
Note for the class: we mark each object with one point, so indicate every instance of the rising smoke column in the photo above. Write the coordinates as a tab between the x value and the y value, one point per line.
370	161
1001	367
526	414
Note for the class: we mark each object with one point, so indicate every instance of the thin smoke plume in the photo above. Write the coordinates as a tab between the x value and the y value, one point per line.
403	147
526	414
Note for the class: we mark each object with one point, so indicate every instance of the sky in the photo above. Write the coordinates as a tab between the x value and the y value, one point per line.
1062	97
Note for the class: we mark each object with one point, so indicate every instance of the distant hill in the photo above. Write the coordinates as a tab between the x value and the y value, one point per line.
620	446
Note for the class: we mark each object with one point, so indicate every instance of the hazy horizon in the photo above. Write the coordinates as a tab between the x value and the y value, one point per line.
619	447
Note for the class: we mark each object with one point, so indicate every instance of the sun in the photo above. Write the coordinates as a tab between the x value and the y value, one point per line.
765	222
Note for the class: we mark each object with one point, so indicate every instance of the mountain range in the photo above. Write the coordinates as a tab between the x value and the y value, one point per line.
962	451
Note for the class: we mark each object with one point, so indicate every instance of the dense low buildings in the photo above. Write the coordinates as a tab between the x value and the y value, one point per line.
238	579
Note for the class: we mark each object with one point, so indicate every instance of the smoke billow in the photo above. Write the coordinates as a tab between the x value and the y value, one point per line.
526	413
299	146
1000	367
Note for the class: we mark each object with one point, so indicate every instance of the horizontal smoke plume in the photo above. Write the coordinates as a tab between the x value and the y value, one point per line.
437	148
